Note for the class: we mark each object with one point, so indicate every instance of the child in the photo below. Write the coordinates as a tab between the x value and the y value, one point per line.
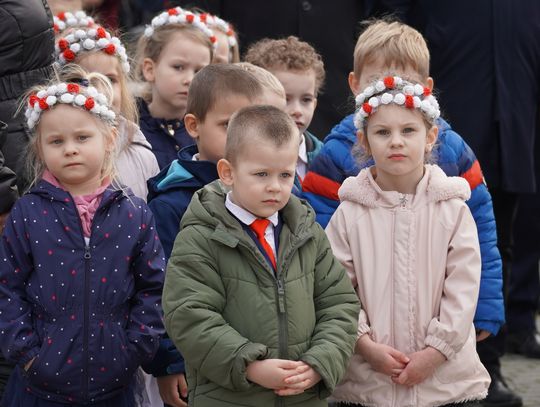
77	19
394	47
172	50
301	72
227	50
96	50
410	246
274	92
82	266
263	314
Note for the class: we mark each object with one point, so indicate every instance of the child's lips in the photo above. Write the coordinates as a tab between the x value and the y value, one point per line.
397	157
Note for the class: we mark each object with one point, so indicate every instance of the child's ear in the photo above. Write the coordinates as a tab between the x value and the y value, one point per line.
354	83
148	67
431	138
111	141
192	126
363	141
225	172
430	83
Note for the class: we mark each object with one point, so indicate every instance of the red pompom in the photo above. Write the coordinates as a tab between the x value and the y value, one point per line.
101	33
427	91
56	28
73	88
69	55
190	18
230	33
409	101
43	105
110	49
61	16
389	82
172	12
63	44
32	100
89	104
367	108
213	39
203	17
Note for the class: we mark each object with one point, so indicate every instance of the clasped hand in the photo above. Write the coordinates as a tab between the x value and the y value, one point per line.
285	377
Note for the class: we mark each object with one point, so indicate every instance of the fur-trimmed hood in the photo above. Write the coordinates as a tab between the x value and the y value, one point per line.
363	189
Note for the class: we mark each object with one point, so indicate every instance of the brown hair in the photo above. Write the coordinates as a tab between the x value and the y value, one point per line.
34	164
397	44
215	82
288	53
266	122
152	47
266	78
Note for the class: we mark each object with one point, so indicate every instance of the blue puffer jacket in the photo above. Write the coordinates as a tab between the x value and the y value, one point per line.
335	163
89	314
157	131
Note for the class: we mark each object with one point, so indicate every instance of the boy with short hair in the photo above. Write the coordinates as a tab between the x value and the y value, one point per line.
300	70
393	48
254	297
274	90
216	92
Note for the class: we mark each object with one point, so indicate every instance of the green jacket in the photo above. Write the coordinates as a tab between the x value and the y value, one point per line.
224	306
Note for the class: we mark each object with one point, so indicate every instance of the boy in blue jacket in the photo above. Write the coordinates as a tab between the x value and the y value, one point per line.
393	48
216	92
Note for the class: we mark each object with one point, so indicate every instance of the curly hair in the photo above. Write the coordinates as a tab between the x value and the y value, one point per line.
287	53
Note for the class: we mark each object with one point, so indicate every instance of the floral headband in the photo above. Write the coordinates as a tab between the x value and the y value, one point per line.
90	39
393	89
73	94
66	19
215	21
178	15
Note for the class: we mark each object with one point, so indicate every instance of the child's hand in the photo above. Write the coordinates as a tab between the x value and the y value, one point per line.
481	335
29	364
421	366
271	373
3	218
304	378
171	387
382	358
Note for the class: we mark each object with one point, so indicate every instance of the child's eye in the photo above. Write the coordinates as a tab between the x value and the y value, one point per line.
83	138
56	141
408	130
113	79
261	174
286	175
382	132
178	67
307	100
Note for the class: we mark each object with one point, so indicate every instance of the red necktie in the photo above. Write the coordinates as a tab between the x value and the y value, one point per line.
259	227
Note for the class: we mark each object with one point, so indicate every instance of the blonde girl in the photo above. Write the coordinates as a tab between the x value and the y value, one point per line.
227	50
96	50
172	50
410	246
82	266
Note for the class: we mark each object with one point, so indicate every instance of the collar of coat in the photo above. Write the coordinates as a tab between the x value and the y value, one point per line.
436	185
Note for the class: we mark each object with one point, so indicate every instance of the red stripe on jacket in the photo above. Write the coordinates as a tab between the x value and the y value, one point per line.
320	185
474	175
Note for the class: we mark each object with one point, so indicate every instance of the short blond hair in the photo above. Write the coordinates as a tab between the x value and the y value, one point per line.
397	44
266	78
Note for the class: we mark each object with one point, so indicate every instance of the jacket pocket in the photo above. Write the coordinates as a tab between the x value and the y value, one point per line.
464	365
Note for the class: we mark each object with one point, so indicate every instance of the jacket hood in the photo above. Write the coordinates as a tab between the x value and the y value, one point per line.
207	208
345	130
363	189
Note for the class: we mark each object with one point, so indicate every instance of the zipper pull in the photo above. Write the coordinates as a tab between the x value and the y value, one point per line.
87	254
403	200
281	296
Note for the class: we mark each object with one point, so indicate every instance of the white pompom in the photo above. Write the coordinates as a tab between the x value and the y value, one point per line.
61	88
91	91
397	81
89	44
96	109
71	21
360	99
417	102
374	102
51	100
76	47
399	98
369	91
386	98
70	38
41	94
80	99
92	32
51	90
408	90
148	31
173	19
102	99
67	98
418	89
80	14
80	34
380	86
116	41
102	42
34	116
125	67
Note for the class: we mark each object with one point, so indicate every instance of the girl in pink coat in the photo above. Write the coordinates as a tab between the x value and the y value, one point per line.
410	246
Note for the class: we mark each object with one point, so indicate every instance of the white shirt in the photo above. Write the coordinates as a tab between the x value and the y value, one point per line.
247	218
302	163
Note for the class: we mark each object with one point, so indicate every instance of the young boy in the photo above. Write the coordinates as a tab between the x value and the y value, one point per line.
254	297
392	48
216	92
300	70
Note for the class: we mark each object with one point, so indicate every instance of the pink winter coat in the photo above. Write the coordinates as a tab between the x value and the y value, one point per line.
414	261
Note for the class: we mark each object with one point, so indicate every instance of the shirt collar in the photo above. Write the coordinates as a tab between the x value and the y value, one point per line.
302	153
244	216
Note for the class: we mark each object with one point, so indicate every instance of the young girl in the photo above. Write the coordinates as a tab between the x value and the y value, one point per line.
82	266
96	50
172	50
77	19
227	50
410	245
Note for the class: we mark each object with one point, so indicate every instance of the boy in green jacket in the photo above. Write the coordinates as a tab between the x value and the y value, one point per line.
254	298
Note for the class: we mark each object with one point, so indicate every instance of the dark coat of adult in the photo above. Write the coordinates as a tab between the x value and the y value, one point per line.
26	54
8	187
485	59
330	27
